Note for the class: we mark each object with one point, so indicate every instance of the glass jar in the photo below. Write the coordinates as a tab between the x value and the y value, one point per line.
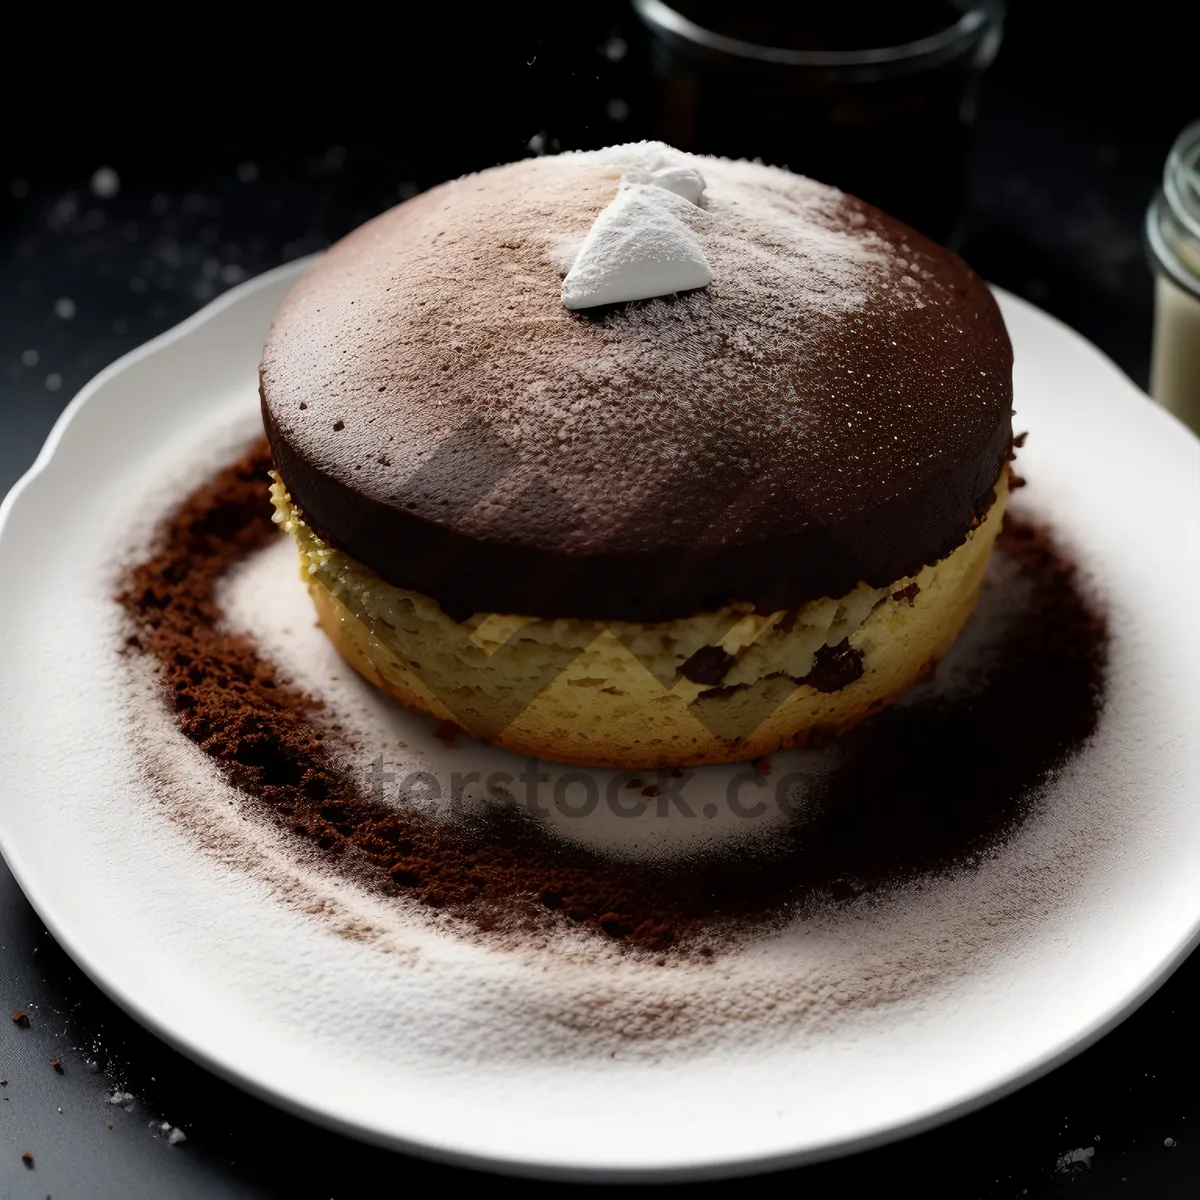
1173	240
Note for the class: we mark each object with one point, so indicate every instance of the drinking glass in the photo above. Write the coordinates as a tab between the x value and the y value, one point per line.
875	97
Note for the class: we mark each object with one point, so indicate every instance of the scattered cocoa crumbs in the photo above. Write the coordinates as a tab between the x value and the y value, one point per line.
616	925
224	696
908	593
894	807
27	1158
763	765
20	1020
58	1067
651	789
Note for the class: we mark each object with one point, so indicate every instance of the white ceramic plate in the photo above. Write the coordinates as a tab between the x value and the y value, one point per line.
372	1039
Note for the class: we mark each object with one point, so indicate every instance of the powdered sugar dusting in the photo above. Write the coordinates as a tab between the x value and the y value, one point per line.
828	962
786	262
569	994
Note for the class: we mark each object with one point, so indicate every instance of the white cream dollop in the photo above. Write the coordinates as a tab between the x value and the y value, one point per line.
641	246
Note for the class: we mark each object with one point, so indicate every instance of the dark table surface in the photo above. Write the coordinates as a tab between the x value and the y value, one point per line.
108	239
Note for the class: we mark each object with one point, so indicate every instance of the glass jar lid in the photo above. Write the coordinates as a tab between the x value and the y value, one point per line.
1173	220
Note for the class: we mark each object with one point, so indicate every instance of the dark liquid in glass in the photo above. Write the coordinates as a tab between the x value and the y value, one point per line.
893	133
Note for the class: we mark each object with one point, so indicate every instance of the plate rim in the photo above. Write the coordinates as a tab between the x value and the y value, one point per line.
449	1151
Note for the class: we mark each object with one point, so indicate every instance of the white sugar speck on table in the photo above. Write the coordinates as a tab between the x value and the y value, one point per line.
106	183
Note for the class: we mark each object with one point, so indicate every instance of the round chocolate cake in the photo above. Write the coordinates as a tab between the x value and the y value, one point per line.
543	492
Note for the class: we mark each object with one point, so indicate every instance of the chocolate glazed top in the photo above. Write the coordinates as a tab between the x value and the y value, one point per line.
834	407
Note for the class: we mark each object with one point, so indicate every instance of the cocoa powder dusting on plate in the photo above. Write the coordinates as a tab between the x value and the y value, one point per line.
923	786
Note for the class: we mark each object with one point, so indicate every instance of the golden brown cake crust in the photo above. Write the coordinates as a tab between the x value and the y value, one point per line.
641	724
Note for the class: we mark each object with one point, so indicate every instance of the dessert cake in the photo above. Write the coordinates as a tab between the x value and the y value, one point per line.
635	458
